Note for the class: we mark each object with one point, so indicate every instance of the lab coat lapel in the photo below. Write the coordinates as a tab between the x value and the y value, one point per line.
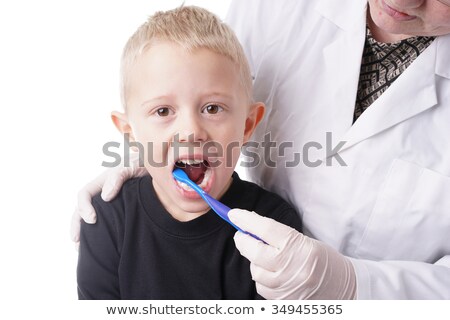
341	59
412	93
443	57
348	19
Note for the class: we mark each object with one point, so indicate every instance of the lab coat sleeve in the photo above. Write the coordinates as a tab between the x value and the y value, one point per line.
402	279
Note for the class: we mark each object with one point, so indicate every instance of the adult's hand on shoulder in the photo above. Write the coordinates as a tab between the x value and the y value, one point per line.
109	184
292	265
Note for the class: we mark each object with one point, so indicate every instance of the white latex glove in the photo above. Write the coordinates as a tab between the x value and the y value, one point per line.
109	183
292	265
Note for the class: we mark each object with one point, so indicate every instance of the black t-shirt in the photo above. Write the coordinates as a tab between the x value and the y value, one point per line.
137	250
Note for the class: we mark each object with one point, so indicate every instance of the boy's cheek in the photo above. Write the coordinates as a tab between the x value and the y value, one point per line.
153	153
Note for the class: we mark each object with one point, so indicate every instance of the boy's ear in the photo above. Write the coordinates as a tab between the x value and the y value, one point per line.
253	119
120	120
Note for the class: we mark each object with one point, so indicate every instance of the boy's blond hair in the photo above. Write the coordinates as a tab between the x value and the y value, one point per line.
191	28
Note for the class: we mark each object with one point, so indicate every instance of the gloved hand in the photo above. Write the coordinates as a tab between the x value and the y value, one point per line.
109	183
292	265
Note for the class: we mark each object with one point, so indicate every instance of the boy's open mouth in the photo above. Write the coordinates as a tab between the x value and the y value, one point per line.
198	170
195	169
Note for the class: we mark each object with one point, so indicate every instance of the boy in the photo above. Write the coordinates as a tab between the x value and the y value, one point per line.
186	87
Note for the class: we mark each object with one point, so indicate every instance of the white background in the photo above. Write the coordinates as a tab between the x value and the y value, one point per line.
59	63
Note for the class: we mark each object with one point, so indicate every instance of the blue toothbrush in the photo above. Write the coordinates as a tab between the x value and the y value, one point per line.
218	207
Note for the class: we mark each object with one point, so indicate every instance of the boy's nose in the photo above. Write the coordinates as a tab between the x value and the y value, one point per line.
190	129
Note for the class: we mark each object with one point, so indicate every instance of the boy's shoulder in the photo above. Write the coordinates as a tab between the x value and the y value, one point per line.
127	195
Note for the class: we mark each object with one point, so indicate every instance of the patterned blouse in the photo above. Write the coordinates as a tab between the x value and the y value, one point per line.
382	64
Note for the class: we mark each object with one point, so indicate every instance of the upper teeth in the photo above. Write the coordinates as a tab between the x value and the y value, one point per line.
190	161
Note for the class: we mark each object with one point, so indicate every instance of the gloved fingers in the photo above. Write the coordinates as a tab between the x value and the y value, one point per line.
278	285
84	209
272	232
263	291
267	292
256	251
109	184
265	277
116	178
114	181
75	227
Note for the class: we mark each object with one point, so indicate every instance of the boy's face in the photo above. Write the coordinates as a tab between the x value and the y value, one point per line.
183	108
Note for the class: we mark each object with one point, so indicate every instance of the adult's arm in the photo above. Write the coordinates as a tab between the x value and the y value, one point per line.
294	266
403	279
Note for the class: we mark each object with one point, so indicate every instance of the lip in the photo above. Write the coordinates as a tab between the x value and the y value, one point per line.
193	195
397	15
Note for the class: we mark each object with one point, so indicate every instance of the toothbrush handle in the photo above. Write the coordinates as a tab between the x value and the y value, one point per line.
222	210
251	235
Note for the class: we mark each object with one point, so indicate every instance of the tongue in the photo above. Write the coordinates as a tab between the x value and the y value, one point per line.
195	172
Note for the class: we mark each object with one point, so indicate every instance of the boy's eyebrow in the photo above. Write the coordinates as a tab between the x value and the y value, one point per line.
162	97
207	96
220	94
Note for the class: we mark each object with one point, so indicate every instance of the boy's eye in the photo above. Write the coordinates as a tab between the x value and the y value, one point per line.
212	109
163	112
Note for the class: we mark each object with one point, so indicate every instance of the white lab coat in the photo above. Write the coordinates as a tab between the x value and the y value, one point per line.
389	208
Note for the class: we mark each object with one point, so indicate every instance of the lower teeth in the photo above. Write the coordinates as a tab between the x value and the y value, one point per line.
184	186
